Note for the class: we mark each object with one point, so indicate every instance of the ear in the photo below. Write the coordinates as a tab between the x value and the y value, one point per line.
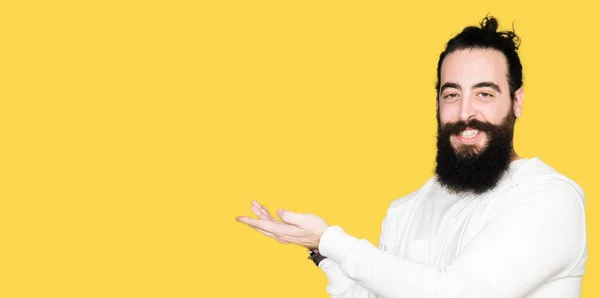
518	105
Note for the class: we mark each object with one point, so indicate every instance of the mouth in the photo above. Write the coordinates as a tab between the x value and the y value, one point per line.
468	136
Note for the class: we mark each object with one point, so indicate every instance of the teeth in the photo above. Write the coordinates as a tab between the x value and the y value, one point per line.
469	134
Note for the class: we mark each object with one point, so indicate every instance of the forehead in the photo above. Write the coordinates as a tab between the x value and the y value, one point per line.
468	67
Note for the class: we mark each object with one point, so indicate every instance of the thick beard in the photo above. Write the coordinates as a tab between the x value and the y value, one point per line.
470	169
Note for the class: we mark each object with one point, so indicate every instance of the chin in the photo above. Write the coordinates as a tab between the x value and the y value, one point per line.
469	149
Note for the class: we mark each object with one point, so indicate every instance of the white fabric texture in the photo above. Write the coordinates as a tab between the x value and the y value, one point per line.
524	238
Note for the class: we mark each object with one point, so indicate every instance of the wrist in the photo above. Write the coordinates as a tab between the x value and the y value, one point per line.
315	245
315	256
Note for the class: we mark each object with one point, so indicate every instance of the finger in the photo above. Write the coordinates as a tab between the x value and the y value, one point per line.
256	203
266	211
279	239
244	219
266	233
291	217
262	224
275	227
262	214
258	212
263	210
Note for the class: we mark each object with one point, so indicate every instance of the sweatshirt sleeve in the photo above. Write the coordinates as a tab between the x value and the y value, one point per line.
339	284
540	235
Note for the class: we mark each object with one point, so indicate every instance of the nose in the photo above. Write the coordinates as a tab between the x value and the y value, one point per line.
466	112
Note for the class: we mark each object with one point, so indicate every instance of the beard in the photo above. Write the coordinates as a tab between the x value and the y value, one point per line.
472	169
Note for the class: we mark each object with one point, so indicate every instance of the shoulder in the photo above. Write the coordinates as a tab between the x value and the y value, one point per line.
414	197
536	178
542	197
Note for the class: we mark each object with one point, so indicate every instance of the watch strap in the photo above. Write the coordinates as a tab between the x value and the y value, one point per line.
315	256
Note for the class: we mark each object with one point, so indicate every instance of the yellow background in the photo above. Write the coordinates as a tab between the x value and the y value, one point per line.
133	132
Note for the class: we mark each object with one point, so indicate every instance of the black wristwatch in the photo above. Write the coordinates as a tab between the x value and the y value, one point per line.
315	256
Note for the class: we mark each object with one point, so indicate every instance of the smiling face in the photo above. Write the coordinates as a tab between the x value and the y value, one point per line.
474	86
476	117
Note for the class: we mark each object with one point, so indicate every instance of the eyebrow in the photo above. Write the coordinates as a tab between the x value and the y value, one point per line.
488	84
450	85
478	85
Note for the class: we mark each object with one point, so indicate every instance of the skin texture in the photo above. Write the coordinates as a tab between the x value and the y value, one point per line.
474	85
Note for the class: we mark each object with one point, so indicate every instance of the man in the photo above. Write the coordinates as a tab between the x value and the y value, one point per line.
488	224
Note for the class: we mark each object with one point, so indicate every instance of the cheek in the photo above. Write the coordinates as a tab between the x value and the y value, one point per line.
447	114
496	111
493	114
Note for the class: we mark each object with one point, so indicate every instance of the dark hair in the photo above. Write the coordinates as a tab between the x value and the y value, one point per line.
487	37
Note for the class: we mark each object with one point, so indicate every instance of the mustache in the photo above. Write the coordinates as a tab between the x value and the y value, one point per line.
458	127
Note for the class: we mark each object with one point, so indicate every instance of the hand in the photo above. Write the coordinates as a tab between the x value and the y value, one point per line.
296	228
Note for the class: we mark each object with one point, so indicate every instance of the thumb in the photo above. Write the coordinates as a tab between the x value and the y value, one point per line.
289	217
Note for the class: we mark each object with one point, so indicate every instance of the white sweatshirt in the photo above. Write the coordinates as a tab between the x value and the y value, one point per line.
524	238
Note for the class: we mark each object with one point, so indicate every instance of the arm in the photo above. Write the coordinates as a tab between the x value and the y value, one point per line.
340	285
540	236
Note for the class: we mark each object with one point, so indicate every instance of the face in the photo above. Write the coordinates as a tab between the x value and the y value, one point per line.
474	86
475	120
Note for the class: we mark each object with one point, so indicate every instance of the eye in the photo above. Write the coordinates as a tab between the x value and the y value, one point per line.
451	96
484	95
